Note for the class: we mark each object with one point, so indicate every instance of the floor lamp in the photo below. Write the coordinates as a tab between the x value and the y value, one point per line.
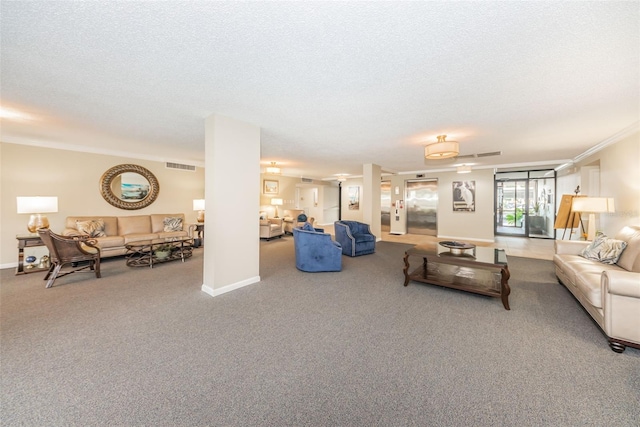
592	206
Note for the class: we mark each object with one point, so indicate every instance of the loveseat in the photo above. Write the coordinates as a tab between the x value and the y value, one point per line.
112	233
610	293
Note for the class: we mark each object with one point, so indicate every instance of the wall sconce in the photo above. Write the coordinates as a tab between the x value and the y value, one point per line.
36	206
276	202
592	206
198	205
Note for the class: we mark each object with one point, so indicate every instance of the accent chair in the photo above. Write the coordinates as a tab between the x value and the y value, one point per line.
355	237
79	252
315	251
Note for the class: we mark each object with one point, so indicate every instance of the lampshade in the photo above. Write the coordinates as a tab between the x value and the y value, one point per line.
36	206
198	204
592	204
29	205
276	202
273	169
463	169
442	149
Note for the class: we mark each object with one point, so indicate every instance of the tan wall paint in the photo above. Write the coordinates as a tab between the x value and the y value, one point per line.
620	179
74	178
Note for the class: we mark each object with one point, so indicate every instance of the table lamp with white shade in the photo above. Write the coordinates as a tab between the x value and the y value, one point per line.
198	205
36	206
276	202
592	206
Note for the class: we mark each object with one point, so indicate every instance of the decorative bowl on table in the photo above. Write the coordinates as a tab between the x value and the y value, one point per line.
456	248
29	261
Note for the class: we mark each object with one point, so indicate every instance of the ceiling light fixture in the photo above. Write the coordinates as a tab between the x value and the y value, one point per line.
273	169
442	149
463	169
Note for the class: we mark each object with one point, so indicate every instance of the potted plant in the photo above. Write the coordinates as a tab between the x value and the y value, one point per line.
162	251
515	219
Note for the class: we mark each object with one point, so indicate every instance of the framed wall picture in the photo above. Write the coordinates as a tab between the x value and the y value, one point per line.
270	187
354	198
464	196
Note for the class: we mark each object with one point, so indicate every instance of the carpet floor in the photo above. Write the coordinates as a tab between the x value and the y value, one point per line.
146	347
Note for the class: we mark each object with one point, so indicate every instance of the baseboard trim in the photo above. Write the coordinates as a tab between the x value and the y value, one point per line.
9	265
232	287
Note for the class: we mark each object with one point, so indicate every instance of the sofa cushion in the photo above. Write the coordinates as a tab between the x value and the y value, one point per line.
172	223
138	224
630	258
604	249
92	227
139	236
110	242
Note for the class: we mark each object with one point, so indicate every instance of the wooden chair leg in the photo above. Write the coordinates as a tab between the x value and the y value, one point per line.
97	268
56	270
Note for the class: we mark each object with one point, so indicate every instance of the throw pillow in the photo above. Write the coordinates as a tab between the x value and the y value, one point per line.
604	249
173	224
308	227
263	216
92	228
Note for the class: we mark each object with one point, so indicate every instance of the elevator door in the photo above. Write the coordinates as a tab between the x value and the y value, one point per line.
385	205
422	207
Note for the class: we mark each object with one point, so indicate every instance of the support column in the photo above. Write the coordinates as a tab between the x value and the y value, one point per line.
371	206
232	253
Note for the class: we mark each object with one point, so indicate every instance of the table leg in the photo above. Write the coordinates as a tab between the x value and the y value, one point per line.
505	290
406	269
20	268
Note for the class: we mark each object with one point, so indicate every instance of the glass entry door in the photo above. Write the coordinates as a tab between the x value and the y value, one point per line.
511	198
525	203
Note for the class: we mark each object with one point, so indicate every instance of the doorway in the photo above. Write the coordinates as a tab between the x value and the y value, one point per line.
525	204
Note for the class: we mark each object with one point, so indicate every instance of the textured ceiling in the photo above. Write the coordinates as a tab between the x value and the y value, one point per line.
332	85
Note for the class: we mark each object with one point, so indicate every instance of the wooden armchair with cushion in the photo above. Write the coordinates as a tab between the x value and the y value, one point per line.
78	252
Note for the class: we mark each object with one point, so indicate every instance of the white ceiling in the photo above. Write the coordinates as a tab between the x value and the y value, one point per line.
333	85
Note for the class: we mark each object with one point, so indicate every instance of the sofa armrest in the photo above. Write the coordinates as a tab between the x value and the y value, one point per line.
191	230
621	306
619	282
570	247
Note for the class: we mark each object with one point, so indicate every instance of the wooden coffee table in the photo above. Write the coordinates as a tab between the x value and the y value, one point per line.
141	253
479	270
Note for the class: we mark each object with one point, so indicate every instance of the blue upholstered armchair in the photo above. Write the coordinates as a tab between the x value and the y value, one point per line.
315	251
355	237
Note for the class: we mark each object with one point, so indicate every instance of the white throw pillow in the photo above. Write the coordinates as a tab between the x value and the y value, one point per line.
604	249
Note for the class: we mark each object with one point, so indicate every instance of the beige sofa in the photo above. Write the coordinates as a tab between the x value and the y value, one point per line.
121	230
609	292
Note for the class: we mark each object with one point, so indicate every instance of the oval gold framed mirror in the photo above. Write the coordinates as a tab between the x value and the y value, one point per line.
129	187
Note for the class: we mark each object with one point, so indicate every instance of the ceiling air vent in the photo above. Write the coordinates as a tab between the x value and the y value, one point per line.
307	180
181	167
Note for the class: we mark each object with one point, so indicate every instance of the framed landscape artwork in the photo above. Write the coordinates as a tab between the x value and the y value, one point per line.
270	187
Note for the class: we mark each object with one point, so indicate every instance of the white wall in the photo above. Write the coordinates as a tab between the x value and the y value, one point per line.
619	166
74	177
